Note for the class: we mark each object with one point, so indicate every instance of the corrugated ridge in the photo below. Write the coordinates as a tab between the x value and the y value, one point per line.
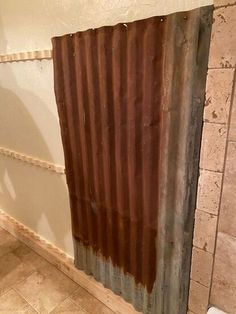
94	94
109	101
125	105
141	299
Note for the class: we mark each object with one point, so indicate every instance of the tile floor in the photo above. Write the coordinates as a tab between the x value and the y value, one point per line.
29	284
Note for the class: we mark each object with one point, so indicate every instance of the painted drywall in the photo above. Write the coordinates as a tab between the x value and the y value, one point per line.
38	199
28	116
29	125
28	107
29	25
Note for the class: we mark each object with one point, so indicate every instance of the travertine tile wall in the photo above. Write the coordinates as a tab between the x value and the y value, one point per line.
213	272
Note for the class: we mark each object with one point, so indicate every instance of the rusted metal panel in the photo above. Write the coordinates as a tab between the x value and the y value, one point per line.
111	113
126	97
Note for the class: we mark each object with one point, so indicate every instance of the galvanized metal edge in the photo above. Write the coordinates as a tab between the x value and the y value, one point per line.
188	49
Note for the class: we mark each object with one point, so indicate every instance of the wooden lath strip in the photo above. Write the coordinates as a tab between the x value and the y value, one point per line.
32	160
27	55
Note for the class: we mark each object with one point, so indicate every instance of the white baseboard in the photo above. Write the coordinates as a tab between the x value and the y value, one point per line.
65	264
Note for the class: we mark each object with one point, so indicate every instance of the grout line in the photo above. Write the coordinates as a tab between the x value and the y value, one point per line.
221	68
79	306
200	283
24	299
59	304
204	211
5	291
35	271
64	263
20	281
217	123
210	170
63	300
82	308
223	177
224	6
35	251
12	287
206	121
200	248
9	252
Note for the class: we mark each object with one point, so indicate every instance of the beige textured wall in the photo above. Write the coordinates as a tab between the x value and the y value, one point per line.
213	275
29	125
29	25
28	116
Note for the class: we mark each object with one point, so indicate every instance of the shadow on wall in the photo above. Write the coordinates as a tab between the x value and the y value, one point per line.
36	197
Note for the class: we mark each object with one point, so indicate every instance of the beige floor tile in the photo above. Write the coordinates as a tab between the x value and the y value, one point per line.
12	302
46	288
198	298
213	146
12	271
209	188
201	266
89	303
204	231
227	219
68	307
29	257
7	242
223	292
218	95
223	38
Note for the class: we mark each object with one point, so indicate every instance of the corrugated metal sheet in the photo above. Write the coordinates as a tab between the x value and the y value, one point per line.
114	89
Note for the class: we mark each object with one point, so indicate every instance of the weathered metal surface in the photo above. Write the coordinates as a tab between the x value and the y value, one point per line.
130	101
186	59
111	111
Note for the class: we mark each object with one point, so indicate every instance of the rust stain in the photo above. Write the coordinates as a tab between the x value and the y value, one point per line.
123	95
109	95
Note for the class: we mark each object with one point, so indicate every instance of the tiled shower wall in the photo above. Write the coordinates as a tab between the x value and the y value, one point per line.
213	273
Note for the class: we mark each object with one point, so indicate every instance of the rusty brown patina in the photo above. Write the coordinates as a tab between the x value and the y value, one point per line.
130	100
111	101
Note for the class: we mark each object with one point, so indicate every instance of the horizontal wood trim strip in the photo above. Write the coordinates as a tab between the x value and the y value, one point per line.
65	264
32	160
27	55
